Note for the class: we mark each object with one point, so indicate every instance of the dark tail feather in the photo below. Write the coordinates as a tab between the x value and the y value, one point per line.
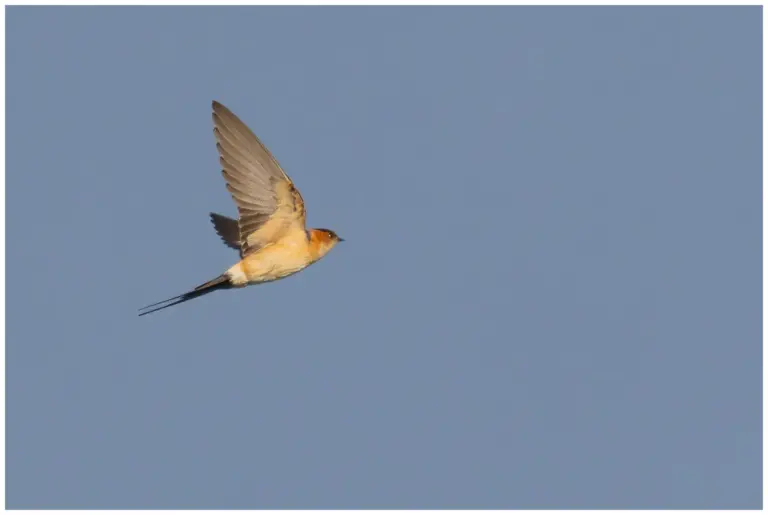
220	283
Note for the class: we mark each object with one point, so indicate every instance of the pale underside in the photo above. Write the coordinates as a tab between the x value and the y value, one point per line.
280	259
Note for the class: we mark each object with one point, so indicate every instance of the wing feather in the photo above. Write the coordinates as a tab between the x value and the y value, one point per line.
227	229
267	202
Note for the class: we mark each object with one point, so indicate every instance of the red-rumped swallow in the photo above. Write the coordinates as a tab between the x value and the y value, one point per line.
270	231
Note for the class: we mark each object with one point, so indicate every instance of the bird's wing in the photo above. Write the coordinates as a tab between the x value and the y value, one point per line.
227	229
267	201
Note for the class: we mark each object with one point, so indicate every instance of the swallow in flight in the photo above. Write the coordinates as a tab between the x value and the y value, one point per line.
270	231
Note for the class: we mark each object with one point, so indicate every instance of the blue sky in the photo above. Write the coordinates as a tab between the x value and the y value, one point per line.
548	297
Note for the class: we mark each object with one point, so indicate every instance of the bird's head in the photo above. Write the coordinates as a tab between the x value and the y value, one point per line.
321	241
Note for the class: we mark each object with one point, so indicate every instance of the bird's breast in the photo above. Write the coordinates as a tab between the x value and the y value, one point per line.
272	262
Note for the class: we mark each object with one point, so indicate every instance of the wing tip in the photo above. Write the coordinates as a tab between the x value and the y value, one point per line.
215	217
219	109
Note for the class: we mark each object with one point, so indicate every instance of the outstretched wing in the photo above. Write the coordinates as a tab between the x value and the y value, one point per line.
267	202
227	229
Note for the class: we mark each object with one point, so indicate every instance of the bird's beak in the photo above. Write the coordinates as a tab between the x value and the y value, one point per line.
341	239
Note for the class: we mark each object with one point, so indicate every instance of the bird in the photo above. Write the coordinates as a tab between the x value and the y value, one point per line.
270	232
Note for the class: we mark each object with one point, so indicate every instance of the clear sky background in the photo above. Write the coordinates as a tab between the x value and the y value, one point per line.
549	296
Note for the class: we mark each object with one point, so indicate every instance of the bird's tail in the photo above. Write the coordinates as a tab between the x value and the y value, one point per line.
222	282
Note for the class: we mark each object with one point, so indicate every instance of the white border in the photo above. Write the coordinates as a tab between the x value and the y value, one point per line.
765	268
350	2
2	263
393	2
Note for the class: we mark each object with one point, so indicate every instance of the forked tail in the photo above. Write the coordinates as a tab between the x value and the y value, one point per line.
220	283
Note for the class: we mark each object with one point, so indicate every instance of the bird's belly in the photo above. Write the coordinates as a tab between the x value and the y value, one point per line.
267	266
